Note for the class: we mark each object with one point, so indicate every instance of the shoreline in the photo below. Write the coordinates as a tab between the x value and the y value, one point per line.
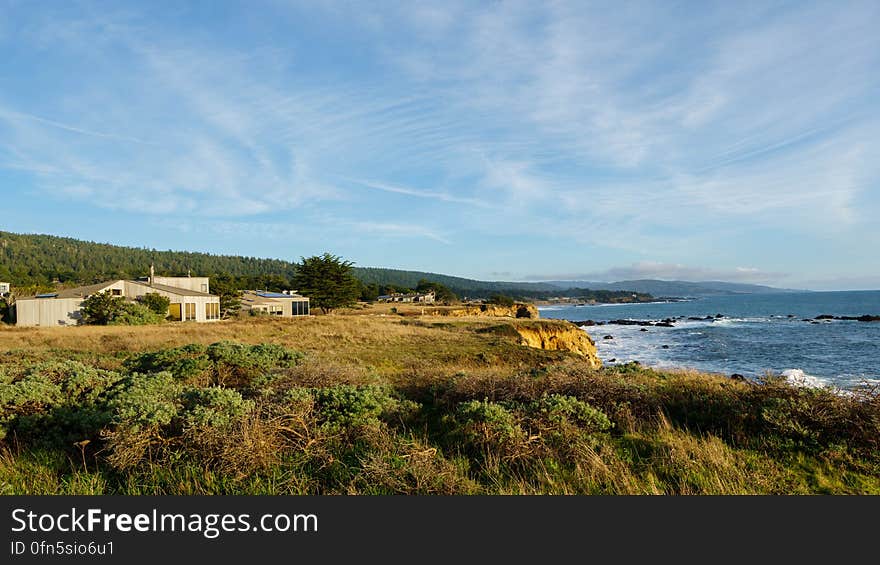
544	304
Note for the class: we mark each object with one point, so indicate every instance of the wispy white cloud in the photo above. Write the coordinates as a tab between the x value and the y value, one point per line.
9	115
429	194
291	231
390	229
641	131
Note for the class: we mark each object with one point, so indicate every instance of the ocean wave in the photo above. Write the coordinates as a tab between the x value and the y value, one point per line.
748	320
798	377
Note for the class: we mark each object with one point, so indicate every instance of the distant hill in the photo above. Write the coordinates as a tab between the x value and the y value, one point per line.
459	285
27	259
660	288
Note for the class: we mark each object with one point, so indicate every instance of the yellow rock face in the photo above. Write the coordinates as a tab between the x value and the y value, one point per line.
559	336
516	311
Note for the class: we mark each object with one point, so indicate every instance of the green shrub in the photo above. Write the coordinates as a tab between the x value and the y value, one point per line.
185	363
147	401
298	397
101	308
36	390
484	422
501	300
105	309
156	302
262	356
134	314
560	408
56	399
224	362
238	364
214	407
82	384
352	406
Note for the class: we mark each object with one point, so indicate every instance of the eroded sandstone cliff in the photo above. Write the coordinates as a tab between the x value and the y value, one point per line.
518	310
558	335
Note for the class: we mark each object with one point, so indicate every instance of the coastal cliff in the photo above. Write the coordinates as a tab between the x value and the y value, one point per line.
518	310
558	336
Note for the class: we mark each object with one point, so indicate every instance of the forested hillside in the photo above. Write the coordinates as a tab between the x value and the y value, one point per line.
41	260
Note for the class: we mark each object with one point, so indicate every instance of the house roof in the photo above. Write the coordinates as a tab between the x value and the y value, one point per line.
84	291
173	289
259	297
78	292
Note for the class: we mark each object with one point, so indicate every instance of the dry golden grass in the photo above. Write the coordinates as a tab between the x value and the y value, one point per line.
357	345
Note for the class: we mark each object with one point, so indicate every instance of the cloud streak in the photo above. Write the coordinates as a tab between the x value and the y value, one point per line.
682	135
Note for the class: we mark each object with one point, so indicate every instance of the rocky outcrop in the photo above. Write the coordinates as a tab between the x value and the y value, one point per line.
863	318
519	310
558	336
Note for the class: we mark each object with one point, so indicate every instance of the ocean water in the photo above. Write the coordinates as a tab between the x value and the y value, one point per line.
758	334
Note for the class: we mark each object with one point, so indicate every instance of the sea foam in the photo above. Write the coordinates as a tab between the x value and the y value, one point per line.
799	378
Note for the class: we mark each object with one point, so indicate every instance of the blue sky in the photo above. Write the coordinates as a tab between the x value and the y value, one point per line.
494	140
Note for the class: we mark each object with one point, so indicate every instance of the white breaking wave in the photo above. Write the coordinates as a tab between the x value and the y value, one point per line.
737	321
799	378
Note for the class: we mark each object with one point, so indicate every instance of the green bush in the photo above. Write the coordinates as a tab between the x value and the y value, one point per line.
560	408
484	422
147	401
501	300
36	390
298	398
226	362
55	399
156	302
101	308
214	407
352	406
238	364
105	309
134	314
263	356
7	311
186	362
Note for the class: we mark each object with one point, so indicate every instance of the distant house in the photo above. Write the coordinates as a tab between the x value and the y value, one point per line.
427	297
63	308
285	304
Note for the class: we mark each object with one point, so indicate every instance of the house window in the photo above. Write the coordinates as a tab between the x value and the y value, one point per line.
116	291
212	311
191	311
301	308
